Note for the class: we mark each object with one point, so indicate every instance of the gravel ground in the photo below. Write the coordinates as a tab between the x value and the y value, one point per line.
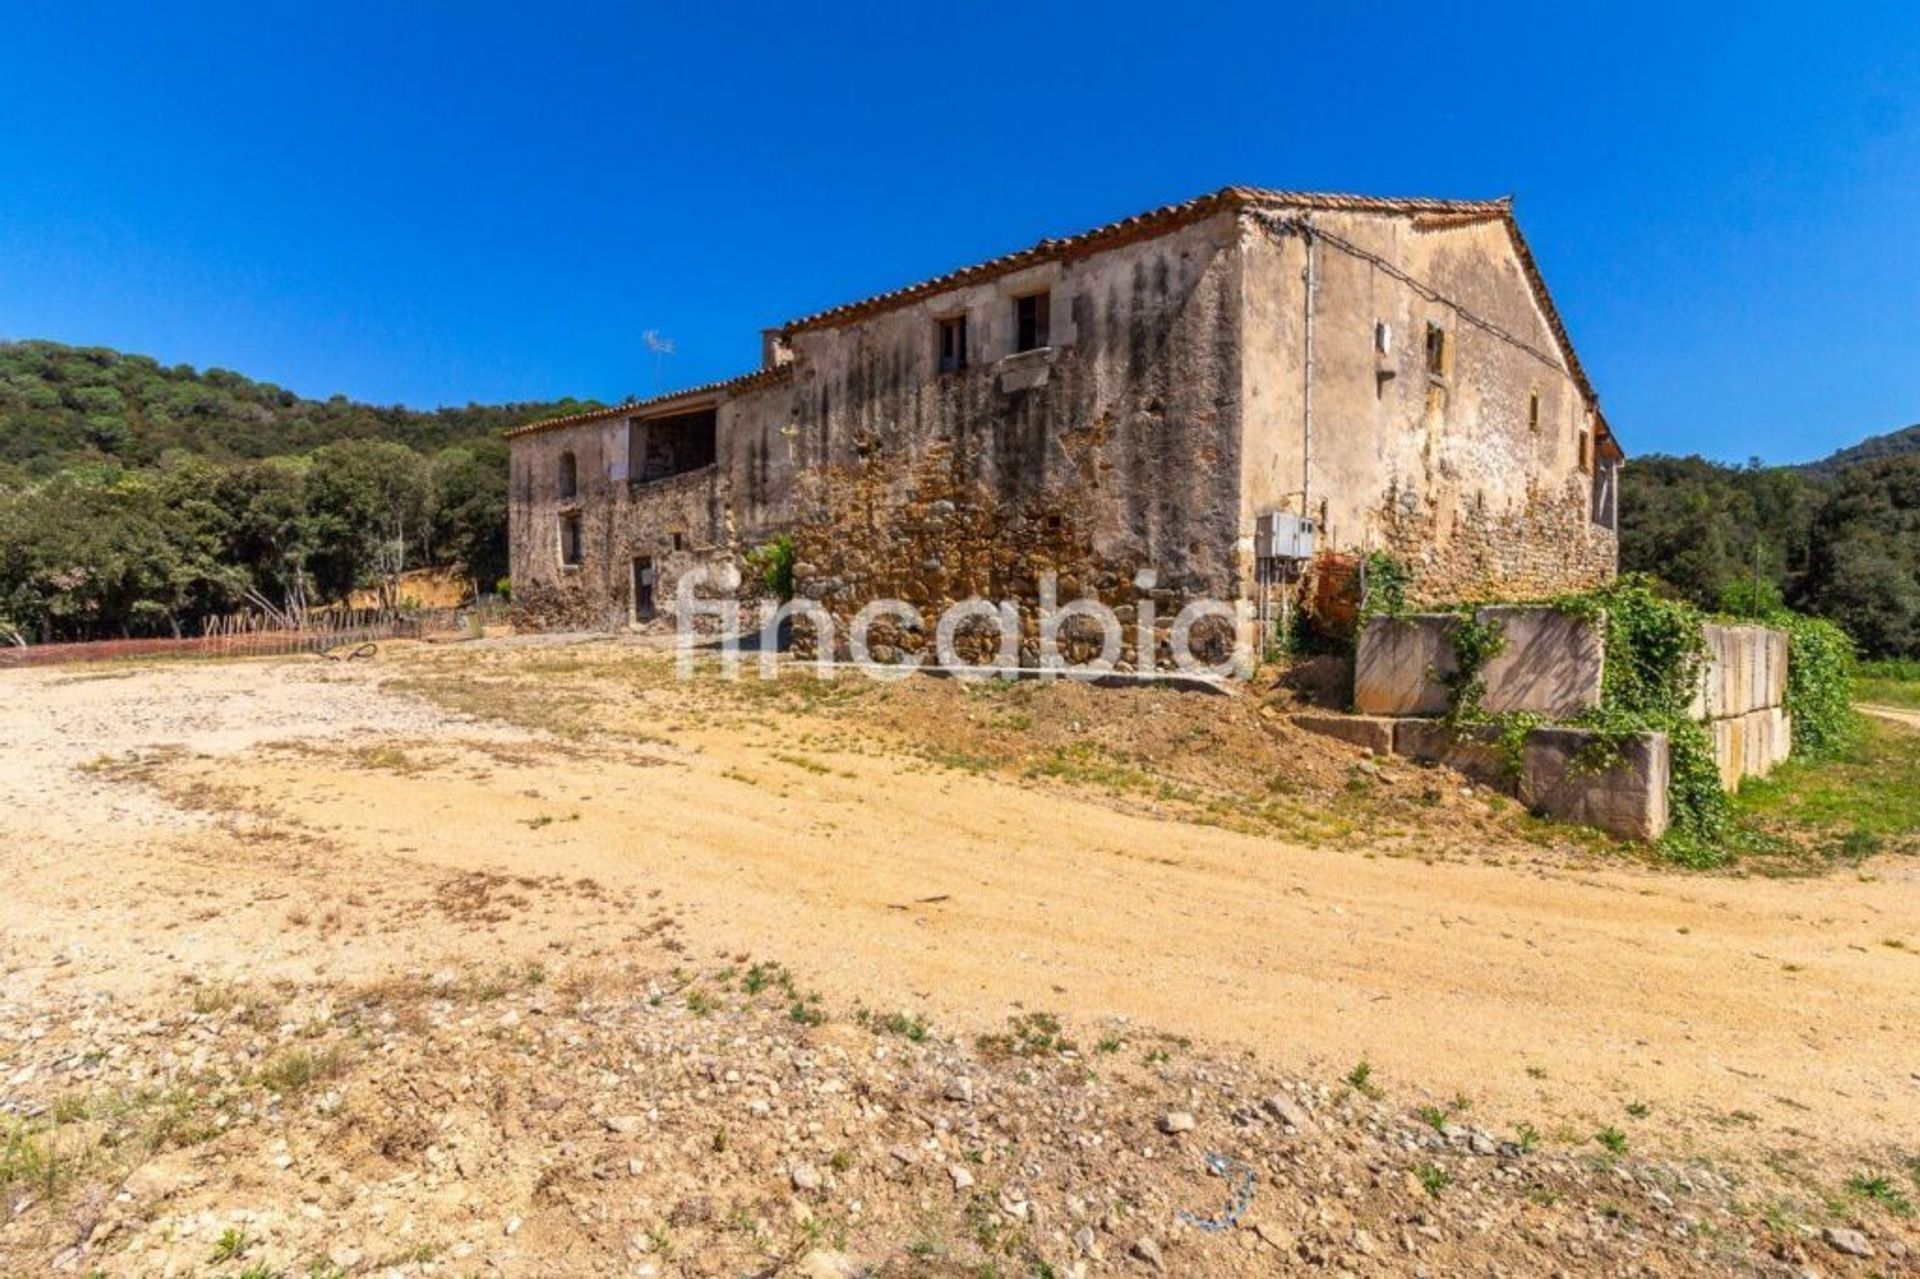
271	1004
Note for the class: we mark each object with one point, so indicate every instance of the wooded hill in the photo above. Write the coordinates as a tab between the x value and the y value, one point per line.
136	498
1839	538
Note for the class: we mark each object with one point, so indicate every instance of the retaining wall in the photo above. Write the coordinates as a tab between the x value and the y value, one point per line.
1742	700
1555	773
1550	663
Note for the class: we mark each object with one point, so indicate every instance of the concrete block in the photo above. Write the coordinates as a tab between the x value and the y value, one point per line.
1745	671
1371	732
1626	798
1550	662
1729	751
1400	664
1750	745
1472	749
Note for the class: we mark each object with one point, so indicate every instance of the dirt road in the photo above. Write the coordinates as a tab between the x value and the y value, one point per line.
1540	992
323	831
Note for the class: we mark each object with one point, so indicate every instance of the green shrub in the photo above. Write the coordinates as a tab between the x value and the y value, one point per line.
772	561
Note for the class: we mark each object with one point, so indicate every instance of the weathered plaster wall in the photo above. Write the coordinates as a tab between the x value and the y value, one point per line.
1113	450
1449	475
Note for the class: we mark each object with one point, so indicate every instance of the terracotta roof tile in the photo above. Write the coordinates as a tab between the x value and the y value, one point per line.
744	382
1152	221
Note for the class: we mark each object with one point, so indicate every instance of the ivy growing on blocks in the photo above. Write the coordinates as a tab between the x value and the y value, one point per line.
1655	655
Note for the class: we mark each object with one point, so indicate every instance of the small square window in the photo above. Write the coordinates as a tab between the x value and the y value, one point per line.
952	344
1439	351
1030	318
679	541
570	541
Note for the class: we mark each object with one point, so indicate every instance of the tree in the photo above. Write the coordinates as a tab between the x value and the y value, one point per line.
1865	569
366	504
469	515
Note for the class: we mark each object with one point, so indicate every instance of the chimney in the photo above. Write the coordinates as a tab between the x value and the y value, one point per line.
774	350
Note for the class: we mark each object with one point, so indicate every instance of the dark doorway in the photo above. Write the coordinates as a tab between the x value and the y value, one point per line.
643	588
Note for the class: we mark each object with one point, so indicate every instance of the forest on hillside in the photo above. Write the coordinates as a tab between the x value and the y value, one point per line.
1837	541
136	499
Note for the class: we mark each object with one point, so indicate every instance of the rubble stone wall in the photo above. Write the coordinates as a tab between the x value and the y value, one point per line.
1111	452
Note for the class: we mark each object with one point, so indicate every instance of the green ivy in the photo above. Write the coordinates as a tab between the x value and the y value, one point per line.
1655	654
1476	641
1820	671
1385	581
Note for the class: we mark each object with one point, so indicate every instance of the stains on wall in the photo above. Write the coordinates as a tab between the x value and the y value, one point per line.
1168	412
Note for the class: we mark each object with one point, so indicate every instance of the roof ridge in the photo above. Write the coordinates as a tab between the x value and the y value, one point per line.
739	381
1166	215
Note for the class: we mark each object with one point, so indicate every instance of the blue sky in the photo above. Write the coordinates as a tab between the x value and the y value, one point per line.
435	203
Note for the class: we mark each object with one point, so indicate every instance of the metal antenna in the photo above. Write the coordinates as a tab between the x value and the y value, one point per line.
660	346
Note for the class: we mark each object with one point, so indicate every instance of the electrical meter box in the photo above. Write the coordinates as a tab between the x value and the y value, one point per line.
1282	535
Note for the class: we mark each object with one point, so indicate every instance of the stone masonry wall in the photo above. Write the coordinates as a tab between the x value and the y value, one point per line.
1110	451
1545	545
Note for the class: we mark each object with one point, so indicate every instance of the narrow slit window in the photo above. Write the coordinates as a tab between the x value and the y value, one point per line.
952	344
570	541
1439	351
1533	412
569	476
1030	315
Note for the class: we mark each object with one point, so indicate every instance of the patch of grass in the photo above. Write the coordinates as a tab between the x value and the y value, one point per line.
1434	1117
761	976
28	1160
1639	1109
1614	1141
1863	801
1527	1137
388	759
1433	1178
1888	683
233	1241
295	1071
1035	1034
909	1026
1881	1190
1360	1079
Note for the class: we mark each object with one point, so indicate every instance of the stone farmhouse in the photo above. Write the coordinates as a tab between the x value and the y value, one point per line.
1237	397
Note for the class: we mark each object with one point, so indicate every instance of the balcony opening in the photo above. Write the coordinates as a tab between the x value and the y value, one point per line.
659	448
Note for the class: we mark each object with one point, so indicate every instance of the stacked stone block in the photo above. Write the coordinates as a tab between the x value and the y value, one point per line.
1742	700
